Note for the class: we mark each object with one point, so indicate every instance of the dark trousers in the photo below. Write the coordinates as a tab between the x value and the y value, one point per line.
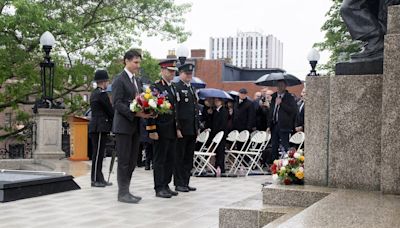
279	136
163	162
184	160
220	156
362	21
98	146
127	151
148	150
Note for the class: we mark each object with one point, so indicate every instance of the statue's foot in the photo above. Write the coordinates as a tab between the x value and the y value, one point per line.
373	50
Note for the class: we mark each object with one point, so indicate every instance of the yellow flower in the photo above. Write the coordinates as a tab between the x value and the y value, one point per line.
148	90
300	175
301	158
147	96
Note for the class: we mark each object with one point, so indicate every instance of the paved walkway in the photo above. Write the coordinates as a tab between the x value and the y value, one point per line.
98	207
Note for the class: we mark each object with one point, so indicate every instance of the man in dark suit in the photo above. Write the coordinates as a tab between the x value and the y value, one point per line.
219	123
244	114
126	123
163	131
300	114
187	128
282	118
99	126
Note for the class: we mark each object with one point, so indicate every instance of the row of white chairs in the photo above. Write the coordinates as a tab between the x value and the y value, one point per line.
246	158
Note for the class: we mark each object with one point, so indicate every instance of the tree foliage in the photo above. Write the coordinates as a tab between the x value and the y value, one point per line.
337	39
89	35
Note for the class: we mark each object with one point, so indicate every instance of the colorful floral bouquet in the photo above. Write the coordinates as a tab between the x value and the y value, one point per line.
151	102
290	169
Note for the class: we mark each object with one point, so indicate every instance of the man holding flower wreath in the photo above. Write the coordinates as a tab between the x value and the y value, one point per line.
126	128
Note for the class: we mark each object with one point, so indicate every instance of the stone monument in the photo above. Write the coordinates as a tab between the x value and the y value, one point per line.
48	133
352	122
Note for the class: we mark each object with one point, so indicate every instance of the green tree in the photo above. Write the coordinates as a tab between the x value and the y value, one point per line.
89	34
337	39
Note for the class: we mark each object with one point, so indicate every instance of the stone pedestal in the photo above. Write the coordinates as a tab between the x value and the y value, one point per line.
362	113
48	134
317	122
355	132
390	176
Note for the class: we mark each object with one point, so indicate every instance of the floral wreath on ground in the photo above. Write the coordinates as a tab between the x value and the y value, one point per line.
151	101
290	169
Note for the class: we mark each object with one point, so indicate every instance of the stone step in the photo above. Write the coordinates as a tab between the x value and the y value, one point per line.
294	195
252	213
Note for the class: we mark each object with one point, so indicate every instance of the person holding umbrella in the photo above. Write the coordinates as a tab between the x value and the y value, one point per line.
100	126
283	110
219	123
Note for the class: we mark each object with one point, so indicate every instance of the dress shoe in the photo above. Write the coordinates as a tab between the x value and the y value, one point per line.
191	188
147	167
173	193
127	198
136	197
163	194
372	50
98	184
107	183
181	189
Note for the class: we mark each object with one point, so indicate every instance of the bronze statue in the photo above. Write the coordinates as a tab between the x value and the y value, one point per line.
366	21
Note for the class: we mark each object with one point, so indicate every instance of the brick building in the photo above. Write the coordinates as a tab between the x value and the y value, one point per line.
220	74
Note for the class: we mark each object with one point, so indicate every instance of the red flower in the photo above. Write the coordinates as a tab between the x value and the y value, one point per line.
292	161
291	154
139	101
287	181
145	104
160	101
273	169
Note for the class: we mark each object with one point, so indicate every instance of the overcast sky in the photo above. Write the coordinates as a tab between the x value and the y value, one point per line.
297	23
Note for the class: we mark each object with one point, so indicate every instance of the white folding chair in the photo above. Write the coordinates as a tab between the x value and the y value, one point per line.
242	138
205	157
201	138
298	138
253	152
232	137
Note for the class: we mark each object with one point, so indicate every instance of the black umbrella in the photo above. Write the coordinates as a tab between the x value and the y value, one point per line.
273	78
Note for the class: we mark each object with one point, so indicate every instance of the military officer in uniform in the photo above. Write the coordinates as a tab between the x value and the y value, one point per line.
100	126
187	128
163	131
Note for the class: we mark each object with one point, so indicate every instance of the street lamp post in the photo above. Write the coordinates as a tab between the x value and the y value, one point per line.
47	42
313	57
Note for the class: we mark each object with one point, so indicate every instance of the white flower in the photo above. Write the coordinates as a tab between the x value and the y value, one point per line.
283	169
296	155
301	169
294	171
300	151
285	162
275	178
152	103
133	105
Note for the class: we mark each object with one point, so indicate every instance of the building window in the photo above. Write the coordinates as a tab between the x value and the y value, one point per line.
7	120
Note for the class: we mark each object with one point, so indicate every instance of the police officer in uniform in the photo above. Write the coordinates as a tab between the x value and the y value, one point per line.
187	128
163	131
100	126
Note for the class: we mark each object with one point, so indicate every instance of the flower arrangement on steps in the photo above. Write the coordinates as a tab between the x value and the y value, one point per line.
290	169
